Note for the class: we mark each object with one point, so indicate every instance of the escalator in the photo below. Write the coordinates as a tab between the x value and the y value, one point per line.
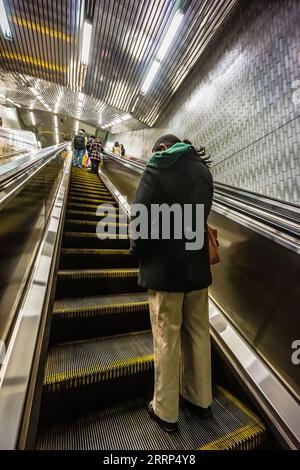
99	366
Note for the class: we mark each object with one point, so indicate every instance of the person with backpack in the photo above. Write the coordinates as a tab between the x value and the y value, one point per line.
79	144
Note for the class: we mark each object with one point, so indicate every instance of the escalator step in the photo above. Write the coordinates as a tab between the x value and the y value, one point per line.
92	374
75	191
89	258
90	240
76	283
81	318
104	199
129	427
92	207
85	215
87	188
74	225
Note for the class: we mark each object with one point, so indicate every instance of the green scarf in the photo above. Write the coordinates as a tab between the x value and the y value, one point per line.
169	157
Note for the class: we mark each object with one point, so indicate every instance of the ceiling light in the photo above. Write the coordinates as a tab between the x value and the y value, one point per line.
55	121
170	35
77	126
33	90
32	117
86	42
150	77
118	120
4	22
125	117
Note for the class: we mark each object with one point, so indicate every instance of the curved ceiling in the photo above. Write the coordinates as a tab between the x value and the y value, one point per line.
45	54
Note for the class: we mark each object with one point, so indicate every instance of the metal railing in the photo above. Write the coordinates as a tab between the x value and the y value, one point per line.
23	344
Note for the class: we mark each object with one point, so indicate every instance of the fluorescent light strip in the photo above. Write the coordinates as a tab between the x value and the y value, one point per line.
34	91
86	43
77	126
150	77
125	117
55	121
32	117
170	35
4	22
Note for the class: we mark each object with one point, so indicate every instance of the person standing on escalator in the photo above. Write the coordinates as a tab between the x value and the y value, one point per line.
177	279
95	154
79	144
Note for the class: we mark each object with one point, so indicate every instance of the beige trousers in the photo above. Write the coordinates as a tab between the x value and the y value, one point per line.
181	341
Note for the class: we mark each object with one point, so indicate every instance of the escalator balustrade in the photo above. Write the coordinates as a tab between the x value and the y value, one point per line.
99	369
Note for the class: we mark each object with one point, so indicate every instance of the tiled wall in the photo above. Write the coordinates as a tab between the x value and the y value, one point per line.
242	102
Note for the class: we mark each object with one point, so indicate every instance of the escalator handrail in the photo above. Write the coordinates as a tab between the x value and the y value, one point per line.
18	174
25	340
284	215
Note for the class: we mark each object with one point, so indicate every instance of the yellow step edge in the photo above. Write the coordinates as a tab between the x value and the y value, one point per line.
247	437
95	222
98	373
92	235
83	312
95	251
96	273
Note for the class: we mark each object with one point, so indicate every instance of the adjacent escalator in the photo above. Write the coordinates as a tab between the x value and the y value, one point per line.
99	369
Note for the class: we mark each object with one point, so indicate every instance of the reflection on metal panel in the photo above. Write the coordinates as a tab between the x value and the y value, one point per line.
23	221
15	142
257	286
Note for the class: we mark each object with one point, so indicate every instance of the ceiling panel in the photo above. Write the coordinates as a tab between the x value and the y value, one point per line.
126	35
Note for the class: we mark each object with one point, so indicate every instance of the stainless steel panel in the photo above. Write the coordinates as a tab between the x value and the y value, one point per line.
23	222
16	371
257	286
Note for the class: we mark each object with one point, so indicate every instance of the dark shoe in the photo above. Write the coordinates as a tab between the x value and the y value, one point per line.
168	427
198	410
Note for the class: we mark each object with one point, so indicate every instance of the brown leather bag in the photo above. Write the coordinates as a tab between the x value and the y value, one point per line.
213	244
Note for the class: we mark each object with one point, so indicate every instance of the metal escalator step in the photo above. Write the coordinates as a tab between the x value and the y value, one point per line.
90	240
72	258
100	200
74	225
89	195
81	282
87	188
72	214
72	365
87	375
231	427
92	207
75	190
106	315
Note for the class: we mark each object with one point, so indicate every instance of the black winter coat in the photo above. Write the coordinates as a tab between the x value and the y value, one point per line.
166	265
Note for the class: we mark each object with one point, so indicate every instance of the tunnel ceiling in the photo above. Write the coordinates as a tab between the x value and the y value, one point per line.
45	54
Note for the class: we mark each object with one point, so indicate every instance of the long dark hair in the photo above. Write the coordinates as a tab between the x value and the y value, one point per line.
206	159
